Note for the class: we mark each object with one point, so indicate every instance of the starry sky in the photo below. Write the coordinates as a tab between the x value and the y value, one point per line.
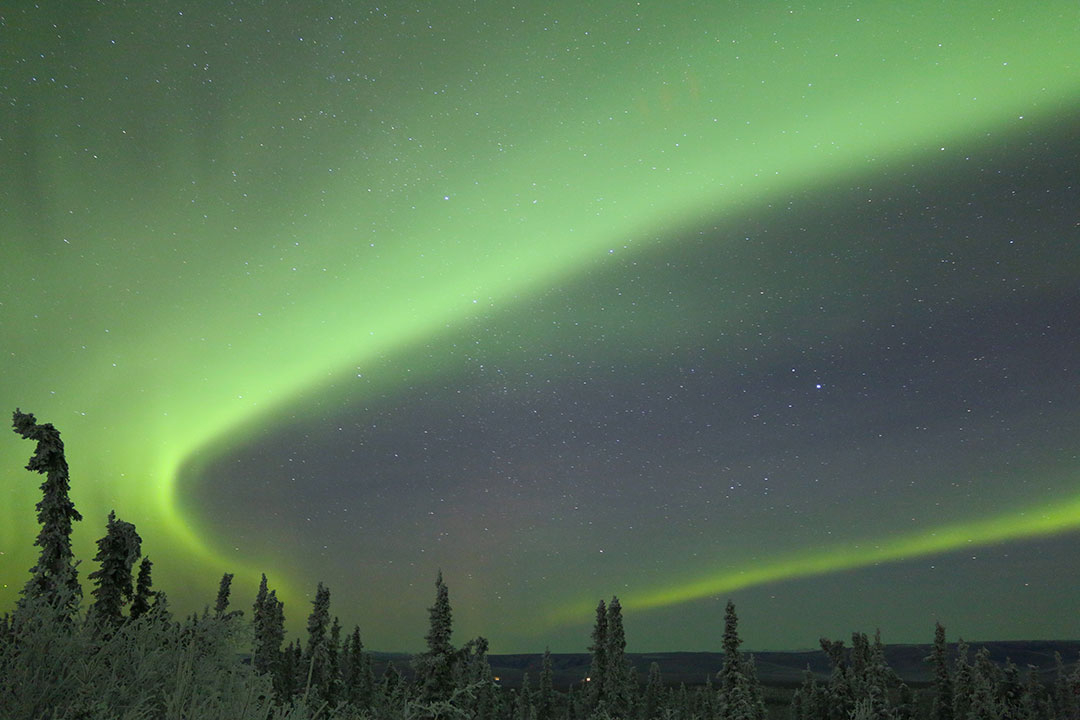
671	301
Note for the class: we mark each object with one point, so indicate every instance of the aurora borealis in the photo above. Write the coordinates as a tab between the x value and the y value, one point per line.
674	301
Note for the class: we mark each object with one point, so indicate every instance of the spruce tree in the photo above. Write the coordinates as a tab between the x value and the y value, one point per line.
315	659
906	704
962	682
221	604
117	553
984	697
595	695
869	675
654	693
356	674
435	668
7	631
801	707
1033	705
740	695
287	679
756	695
160	605
858	662
140	604
350	674
54	578
839	693
394	691
472	670
332	683
545	697
943	688
468	662
682	702
1066	691
708	700
258	622
797	709
573	704
1010	690
821	701
487	705
523	706
730	674
260	601
618	675
268	626
879	676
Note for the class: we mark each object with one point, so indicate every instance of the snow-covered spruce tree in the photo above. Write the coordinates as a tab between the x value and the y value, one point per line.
287	680
314	675
871	679
962	682
857	663
810	701
907	705
117	553
259	660
1066	690
573	705
740	696
595	695
707	700
472	674
1010	690
943	687
879	675
523	702
221	603
435	668
1034	703
332	684
470	661
268	632
54	577
394	693
545	695
140	604
260	601
268	628
357	676
985	704
681	702
800	707
618	674
653	702
757	696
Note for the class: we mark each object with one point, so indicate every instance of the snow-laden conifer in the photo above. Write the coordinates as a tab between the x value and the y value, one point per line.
54	577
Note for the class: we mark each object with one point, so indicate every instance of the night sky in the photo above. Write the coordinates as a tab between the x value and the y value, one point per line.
678	302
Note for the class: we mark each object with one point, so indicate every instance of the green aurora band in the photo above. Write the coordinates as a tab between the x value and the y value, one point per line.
212	222
1041	521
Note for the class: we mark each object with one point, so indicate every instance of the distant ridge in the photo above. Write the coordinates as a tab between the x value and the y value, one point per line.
774	668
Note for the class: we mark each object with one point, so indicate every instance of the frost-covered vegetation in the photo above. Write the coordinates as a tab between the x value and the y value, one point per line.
123	656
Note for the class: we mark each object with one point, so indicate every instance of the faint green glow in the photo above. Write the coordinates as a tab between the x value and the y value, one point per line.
161	311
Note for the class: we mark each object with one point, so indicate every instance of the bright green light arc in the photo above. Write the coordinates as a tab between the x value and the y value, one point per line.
703	174
552	232
1032	523
234	330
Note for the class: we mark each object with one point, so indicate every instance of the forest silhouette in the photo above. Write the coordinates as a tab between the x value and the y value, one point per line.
122	654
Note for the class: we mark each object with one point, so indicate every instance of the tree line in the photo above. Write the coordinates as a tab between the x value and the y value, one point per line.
125	656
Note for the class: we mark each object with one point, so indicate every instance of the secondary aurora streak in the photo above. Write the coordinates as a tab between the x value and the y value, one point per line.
228	226
1032	522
